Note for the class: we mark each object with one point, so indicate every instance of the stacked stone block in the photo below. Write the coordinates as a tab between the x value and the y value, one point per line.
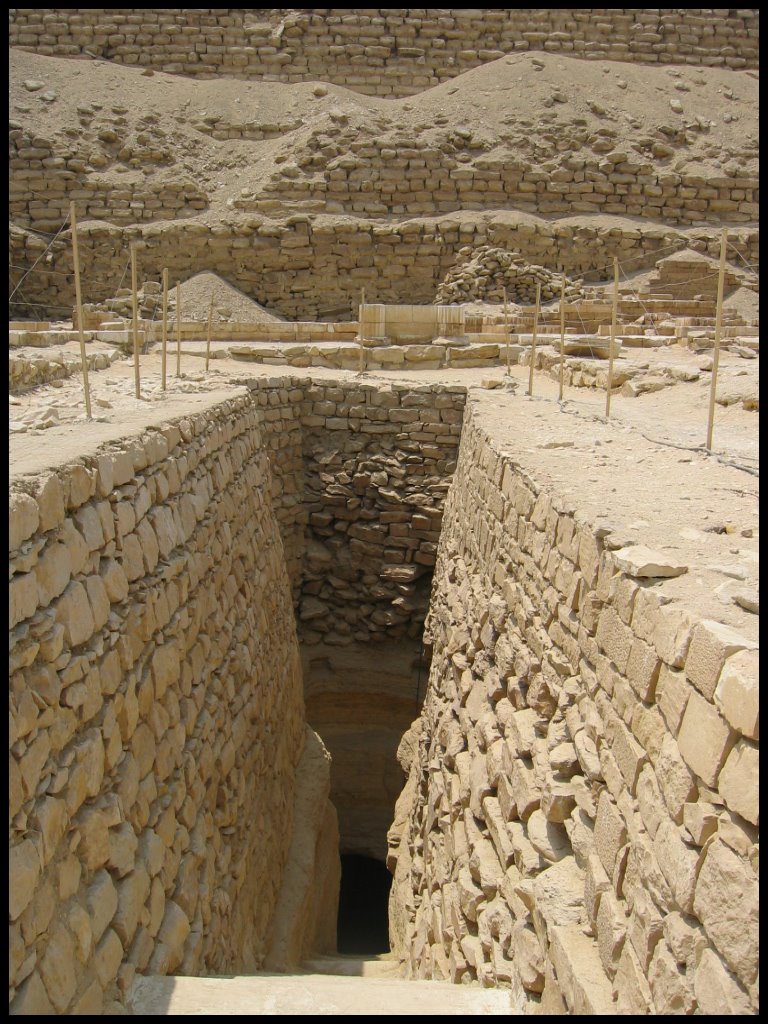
381	52
156	713
580	817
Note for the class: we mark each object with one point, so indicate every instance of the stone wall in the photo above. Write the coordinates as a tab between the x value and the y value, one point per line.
313	267
156	715
580	816
381	52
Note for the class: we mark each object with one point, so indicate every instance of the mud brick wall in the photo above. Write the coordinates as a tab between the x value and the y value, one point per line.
579	821
381	52
156	710
313	267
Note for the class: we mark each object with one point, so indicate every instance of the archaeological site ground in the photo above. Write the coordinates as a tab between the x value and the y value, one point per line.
383	516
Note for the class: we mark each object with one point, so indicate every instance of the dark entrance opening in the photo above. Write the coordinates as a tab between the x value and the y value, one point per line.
363	926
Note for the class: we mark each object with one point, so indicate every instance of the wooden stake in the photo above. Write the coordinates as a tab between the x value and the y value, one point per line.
562	338
533	340
178	329
718	328
165	324
79	300
506	329
609	382
360	329
208	343
135	320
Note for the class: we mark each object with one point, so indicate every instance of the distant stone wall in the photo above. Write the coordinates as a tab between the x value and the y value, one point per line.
580	816
313	267
156	713
381	52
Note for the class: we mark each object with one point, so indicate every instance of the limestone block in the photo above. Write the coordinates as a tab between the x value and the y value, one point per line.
92	824
78	550
50	502
580	975
524	790
122	849
611	929
23	519
610	832
470	895
558	799
32	998
678	862
548	839
91	1002
705	740
521	733
738	783
88	522
22	598
23	874
50	820
726	902
672	692
497	829
652	807
58	968
645	928
717	991
671	634
629	755
107	959
737	694
73	611
53	572
676	782
529	961
684	938
101	901
80	925
633	994
114	579
711	644
99	600
132	893
173	934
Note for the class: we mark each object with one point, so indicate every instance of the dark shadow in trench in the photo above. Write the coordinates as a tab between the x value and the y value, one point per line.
363	925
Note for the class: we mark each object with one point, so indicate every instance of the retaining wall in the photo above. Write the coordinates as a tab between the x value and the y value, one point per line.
579	821
381	52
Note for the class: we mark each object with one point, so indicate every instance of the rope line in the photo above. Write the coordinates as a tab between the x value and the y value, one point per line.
20	282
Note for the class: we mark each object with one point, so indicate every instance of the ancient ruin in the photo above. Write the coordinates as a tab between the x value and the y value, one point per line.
383	516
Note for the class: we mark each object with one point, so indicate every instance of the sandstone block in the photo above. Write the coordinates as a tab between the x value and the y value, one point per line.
737	694
705	740
726	902
711	644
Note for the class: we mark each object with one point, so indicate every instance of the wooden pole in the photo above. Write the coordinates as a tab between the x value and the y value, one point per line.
79	299
178	329
360	329
208	343
609	382
718	328
165	325
506	330
533	340
562	338
134	289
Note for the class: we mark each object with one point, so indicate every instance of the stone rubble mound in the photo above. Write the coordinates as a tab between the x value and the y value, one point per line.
481	274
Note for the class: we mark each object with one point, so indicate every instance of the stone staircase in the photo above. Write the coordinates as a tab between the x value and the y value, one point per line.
324	986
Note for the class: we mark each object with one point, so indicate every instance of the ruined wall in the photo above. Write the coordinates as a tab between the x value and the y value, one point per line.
314	267
579	820
156	714
381	52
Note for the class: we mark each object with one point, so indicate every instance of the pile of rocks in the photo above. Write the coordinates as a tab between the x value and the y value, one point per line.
481	275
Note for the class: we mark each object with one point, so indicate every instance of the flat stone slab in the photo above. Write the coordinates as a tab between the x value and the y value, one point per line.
312	995
638	560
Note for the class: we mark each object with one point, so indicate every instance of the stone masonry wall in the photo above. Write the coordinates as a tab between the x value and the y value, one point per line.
580	817
381	52
377	466
156	711
314	267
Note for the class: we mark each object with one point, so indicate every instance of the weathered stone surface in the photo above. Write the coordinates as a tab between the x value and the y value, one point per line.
711	644
705	739
737	694
716	990
23	873
641	561
738	783
726	902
